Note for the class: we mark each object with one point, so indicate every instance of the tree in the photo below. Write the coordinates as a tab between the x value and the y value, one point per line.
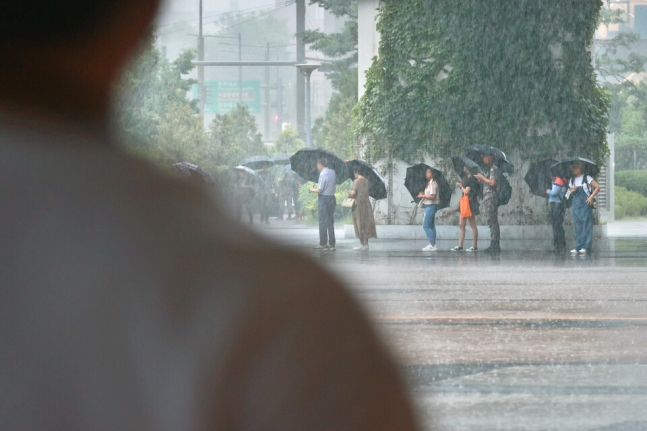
288	141
234	137
515	74
335	131
147	90
609	64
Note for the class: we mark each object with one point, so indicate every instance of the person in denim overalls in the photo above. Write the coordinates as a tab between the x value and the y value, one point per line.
583	189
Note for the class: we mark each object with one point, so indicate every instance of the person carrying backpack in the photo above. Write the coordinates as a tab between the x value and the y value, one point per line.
556	196
490	203
582	190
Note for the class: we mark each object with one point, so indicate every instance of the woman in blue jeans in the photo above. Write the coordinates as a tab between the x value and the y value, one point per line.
583	189
430	200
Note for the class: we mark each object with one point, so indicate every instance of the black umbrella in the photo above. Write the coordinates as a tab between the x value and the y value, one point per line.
258	162
500	158
415	182
539	178
304	163
462	161
377	185
189	170
563	168
281	159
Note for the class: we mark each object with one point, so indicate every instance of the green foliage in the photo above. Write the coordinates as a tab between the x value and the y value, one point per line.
337	131
234	137
514	74
160	123
339	7
309	201
631	152
635	181
288	141
609	64
629	204
149	88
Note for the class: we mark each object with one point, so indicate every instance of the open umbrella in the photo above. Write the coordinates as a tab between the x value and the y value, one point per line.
539	178
246	170
461	161
500	158
189	170
415	182
258	162
304	163
377	185
281	159
563	168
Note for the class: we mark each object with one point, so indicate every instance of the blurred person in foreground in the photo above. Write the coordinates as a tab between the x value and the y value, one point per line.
127	300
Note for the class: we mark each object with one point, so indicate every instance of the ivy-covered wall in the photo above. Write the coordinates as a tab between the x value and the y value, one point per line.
515	74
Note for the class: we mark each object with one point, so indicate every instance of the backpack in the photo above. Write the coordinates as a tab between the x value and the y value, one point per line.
503	190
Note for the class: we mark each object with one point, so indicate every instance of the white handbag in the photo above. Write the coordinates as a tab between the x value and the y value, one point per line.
348	203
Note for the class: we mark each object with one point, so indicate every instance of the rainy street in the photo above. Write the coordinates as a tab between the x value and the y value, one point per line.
524	340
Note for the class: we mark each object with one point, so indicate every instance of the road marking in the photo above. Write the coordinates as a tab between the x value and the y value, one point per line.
508	319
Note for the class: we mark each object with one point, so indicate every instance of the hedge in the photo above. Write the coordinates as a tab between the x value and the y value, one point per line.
633	180
630	204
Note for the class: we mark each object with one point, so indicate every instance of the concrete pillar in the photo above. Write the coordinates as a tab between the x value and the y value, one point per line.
369	39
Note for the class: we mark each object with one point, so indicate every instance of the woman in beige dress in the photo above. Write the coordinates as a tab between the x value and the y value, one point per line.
363	219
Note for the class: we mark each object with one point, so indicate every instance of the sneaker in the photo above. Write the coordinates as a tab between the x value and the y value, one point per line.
430	248
331	248
457	248
583	251
321	247
574	251
361	248
472	249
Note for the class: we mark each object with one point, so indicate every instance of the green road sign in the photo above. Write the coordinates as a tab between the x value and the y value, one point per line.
223	96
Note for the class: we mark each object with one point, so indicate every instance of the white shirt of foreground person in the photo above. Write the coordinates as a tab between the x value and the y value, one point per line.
129	301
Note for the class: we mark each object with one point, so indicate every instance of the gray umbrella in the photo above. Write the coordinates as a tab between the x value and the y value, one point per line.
258	162
246	170
189	170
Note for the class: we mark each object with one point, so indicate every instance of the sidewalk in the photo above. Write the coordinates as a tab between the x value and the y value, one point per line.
628	229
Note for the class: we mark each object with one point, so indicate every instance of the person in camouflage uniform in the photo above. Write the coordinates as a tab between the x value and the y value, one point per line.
490	205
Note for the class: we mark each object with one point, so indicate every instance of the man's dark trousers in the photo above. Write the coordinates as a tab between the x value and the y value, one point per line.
326	206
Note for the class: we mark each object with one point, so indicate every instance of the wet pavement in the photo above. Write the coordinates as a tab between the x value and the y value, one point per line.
525	340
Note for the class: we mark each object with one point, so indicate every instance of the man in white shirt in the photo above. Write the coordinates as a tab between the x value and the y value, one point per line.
326	205
129	301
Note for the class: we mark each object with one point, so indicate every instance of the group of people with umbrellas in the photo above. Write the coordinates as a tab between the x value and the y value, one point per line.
256	187
572	184
484	188
569	183
327	170
481	171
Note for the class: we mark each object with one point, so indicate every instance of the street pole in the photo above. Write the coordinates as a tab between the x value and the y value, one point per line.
267	94
301	58
306	70
201	89
240	68
308	115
